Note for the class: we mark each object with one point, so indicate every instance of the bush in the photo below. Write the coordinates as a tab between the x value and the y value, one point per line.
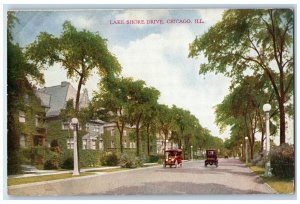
53	162
89	158
283	161
130	161
109	159
67	163
161	158
153	158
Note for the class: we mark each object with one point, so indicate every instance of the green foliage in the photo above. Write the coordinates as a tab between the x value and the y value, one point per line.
255	41
283	161
130	161
52	159
67	163
90	158
110	159
154	158
18	72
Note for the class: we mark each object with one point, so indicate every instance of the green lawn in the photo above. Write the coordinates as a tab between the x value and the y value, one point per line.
282	186
109	170
17	181
33	179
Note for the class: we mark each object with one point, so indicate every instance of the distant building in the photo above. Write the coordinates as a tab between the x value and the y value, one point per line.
111	137
160	143
56	98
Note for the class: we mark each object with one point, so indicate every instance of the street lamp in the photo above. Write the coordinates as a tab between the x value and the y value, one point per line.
267	108
191	152
74	123
241	151
246	149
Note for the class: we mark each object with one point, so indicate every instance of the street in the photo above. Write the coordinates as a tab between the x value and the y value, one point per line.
231	177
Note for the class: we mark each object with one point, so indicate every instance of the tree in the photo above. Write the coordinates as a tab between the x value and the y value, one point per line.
18	73
165	121
78	52
242	109
150	122
126	101
141	101
111	103
252	41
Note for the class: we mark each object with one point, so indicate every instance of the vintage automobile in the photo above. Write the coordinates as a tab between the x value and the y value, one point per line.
211	157
174	158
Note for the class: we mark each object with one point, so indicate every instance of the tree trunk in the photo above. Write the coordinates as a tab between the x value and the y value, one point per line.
262	142
137	132
121	138
121	133
252	147
76	112
78	94
282	120
148	139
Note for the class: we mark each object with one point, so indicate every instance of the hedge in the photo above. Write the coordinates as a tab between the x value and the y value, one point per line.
283	161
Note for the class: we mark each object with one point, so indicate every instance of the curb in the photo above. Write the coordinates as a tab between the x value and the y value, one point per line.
265	183
76	178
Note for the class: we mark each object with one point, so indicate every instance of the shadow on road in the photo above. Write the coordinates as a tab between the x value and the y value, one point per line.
178	188
226	166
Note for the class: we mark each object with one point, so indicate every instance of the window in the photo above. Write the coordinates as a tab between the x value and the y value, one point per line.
65	125
38	140
84	144
101	146
22	118
70	143
36	120
22	141
132	145
26	99
93	144
112	132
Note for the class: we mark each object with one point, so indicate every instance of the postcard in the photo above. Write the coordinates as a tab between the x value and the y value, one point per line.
150	102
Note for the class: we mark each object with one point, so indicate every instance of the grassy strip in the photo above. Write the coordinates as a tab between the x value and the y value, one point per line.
121	169
33	179
282	186
109	170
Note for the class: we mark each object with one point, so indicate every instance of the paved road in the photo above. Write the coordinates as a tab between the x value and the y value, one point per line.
231	177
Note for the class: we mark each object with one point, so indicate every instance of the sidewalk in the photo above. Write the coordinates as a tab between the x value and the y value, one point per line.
37	172
53	172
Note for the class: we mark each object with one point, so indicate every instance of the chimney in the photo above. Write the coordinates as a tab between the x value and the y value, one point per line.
64	83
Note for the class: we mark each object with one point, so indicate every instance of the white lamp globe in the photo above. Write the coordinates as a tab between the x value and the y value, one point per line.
267	107
74	121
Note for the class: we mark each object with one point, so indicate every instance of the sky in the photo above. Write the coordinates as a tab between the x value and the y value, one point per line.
157	54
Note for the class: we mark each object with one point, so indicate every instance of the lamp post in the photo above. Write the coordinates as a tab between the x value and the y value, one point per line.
191	152
241	151
74	123
267	108
246	149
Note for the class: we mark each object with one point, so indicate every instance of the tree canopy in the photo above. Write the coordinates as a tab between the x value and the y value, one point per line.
255	42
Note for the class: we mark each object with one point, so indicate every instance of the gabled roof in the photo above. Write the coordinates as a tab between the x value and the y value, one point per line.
98	121
56	97
45	98
91	136
115	125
